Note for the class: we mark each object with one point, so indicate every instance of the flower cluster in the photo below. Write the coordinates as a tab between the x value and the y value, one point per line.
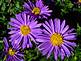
55	37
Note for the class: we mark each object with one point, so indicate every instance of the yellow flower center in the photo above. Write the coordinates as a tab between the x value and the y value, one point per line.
56	39
11	51
79	1
25	30
36	11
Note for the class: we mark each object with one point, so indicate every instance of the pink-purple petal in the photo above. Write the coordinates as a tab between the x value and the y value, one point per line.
19	18
14	25
62	54
70	43
65	29
62	25
66	50
50	51
44	52
70	37
43	46
24	42
57	25
26	6
15	21
47	28
39	4
52	25
55	52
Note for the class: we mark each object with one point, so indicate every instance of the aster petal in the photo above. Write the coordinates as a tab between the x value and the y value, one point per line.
32	23
37	26
56	52
57	22
52	25
49	25
15	21
31	4
30	44
9	58
68	46
19	18
43	46
39	4
65	29
62	54
50	52
47	28
28	18
24	18
12	28
66	50
36	31
32	37
45	51
70	43
19	54
43	37
16	46
16	58
27	6
46	32
13	24
69	34
24	42
6	46
13	32
69	31
45	11
14	37
5	42
16	42
70	37
42	40
62	26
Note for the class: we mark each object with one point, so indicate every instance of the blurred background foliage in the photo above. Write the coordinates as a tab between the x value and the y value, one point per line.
70	10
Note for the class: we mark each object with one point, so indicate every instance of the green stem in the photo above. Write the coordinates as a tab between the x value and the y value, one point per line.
1	41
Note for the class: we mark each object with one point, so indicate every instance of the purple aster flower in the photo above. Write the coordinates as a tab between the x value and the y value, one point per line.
37	10
12	53
24	29
56	38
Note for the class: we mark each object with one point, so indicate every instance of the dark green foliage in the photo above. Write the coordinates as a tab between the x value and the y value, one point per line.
63	9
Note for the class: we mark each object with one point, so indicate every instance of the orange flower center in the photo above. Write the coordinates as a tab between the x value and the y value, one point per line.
25	30
56	39
36	10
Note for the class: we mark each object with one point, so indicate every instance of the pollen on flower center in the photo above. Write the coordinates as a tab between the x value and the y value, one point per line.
25	30
79	1
11	51
36	10
56	39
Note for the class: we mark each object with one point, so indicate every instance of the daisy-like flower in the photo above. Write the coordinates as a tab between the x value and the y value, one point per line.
37	10
56	38
12	53
24	29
